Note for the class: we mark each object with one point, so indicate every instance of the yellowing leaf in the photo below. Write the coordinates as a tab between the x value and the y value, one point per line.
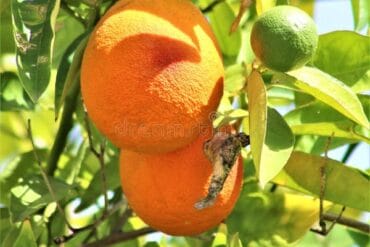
271	138
257	115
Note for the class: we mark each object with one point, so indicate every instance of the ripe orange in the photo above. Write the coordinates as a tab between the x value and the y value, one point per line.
152	74
162	189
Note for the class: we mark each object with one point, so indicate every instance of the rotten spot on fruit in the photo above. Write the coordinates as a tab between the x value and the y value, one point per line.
222	151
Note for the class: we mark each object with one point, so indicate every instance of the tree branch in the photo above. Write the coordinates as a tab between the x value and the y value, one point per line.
120	237
348	222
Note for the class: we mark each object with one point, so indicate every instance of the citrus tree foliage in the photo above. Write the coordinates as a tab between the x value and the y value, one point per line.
59	176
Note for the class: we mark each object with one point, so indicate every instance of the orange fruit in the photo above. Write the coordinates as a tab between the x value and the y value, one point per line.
163	188
152	74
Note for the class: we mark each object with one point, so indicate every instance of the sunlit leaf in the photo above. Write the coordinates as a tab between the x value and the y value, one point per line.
235	241
278	96
344	185
263	5
317	118
235	78
328	90
272	219
229	116
360	10
221	17
32	194
95	188
26	236
21	166
333	57
307	6
257	107
220	239
271	138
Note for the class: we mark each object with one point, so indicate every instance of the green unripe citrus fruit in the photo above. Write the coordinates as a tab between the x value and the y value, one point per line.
284	38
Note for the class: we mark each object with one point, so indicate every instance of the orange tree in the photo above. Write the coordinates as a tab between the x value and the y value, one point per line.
60	178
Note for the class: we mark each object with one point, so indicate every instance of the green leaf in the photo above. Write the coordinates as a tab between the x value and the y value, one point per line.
7	44
69	71
271	138
34	31
272	219
235	78
31	194
229	116
335	55
220	239
360	9
235	241
221	18
344	185
21	166
278	96
317	118
330	91
94	190
26	237
263	5
67	29
277	147
12	95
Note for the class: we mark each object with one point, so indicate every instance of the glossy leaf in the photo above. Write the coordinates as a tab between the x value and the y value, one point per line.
263	5
344	185
34	31
360	10
221	19
68	71
32	194
330	91
333	57
317	118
